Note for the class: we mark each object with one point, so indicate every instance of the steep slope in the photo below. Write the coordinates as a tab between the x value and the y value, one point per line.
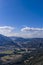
4	40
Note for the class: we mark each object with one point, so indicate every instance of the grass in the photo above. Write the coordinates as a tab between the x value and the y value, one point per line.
7	52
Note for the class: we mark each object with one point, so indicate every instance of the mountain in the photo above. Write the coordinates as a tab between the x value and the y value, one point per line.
4	40
28	42
21	42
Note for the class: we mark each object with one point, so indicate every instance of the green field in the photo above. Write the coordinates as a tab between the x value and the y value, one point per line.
7	52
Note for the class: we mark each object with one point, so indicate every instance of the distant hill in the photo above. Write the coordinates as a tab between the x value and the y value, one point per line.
4	40
21	42
28	42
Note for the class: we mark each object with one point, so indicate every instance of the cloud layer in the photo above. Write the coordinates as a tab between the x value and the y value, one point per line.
32	32
5	30
26	29
26	32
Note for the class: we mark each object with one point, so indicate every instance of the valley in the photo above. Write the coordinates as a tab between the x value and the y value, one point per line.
21	51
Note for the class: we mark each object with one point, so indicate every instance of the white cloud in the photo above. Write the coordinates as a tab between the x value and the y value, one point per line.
5	30
26	32
25	29
32	32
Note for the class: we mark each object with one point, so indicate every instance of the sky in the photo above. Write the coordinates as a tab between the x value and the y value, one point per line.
22	18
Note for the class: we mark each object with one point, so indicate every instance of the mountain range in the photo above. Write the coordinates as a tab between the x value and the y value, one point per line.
21	42
28	42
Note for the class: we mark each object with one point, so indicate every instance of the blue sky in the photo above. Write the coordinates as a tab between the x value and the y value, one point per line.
20	14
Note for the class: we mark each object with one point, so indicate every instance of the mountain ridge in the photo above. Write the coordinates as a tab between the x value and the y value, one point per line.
28	42
20	42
